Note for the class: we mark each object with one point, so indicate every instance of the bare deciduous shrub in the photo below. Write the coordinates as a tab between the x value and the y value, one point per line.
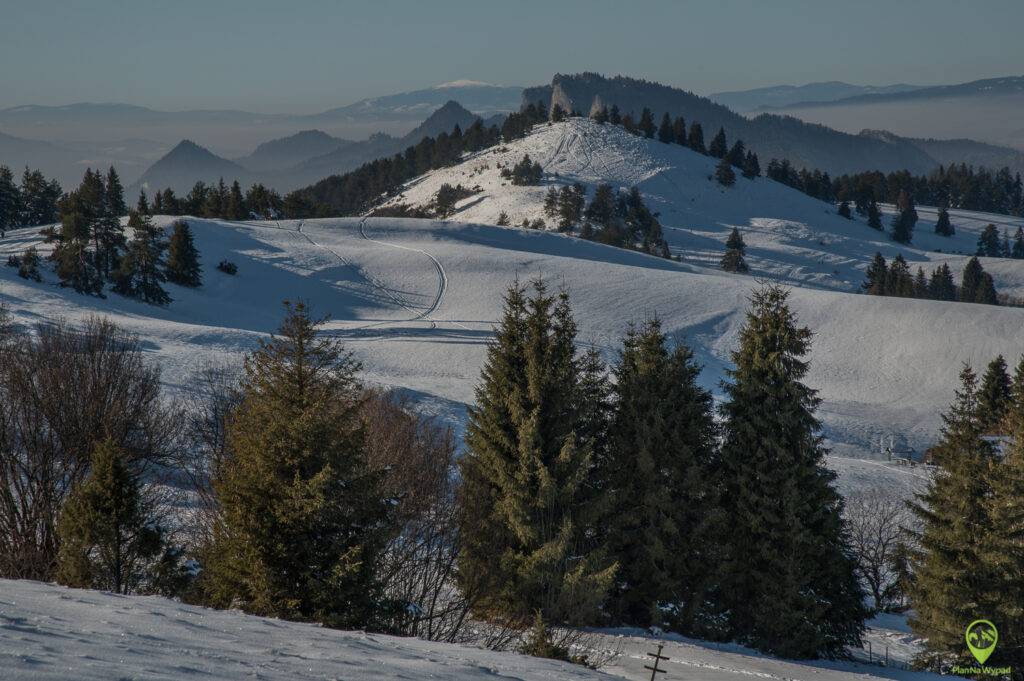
878	524
63	389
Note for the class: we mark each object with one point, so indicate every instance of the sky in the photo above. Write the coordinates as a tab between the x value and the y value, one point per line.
304	56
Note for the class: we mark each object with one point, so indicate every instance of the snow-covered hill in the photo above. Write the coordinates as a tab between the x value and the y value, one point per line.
50	633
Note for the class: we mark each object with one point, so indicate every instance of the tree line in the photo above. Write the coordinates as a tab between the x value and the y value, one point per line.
93	249
216	201
587	494
31	203
896	279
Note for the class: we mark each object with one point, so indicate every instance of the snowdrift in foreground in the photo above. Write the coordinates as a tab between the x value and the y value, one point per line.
50	633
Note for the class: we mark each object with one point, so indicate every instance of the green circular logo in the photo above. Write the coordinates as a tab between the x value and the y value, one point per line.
982	637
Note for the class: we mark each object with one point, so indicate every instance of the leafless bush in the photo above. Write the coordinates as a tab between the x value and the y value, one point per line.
417	457
62	389
878	524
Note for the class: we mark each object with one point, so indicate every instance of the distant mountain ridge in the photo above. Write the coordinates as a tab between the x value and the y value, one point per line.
743	101
805	144
293	161
1009	85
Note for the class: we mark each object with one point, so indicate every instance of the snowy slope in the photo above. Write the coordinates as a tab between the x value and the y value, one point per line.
416	300
50	633
791	237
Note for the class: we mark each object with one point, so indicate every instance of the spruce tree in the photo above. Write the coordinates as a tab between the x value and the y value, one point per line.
905	219
141	273
646	125
142	205
724	173
660	480
696	139
666	133
920	284
718	147
994	397
614	117
737	154
899	282
875	278
988	242
527	512
679	130
1017	250
735	249
114	195
10	201
844	210
303	519
788	582
953	584
28	267
971	283
941	285
182	257
943	226
108	533
236	203
751	166
874	216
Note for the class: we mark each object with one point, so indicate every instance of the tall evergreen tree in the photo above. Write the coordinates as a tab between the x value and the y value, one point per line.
108	533
735	249
899	282
614	117
988	242
303	519
183	257
994	397
660	481
724	173
10	201
696	139
952	583
142	205
666	133
527	512
236	203
719	147
751	166
943	226
941	285
679	130
875	277
114	194
737	154
789	584
141	273
904	220
646	125
874	216
844	210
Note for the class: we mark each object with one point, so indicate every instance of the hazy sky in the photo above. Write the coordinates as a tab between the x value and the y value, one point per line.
305	56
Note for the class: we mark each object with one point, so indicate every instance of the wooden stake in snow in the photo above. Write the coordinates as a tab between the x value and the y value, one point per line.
658	657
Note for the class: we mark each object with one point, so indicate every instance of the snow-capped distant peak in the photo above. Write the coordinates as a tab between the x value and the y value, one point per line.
463	83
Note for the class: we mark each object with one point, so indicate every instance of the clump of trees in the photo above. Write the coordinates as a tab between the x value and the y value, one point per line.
217	201
33	202
551	527
524	172
622	219
896	279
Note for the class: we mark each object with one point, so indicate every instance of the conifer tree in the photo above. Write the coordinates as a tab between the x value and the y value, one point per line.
788	582
142	205
976	284
600	116
719	147
527	512
28	268
10	201
236	203
666	133
943	226
76	265
107	529
735	249
614	117
988	242
696	139
844	210
941	285
874	216
899	282
303	519
660	480
875	279
182	257
952	581
557	113
724	173
920	284
904	220
141	273
737	154
994	397
679	130
751	166
646	125
1017	250
551	202
114	195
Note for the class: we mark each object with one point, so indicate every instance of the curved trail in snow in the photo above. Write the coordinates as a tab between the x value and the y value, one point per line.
442	276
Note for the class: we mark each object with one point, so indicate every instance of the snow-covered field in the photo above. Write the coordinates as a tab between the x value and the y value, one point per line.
50	633
416	300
